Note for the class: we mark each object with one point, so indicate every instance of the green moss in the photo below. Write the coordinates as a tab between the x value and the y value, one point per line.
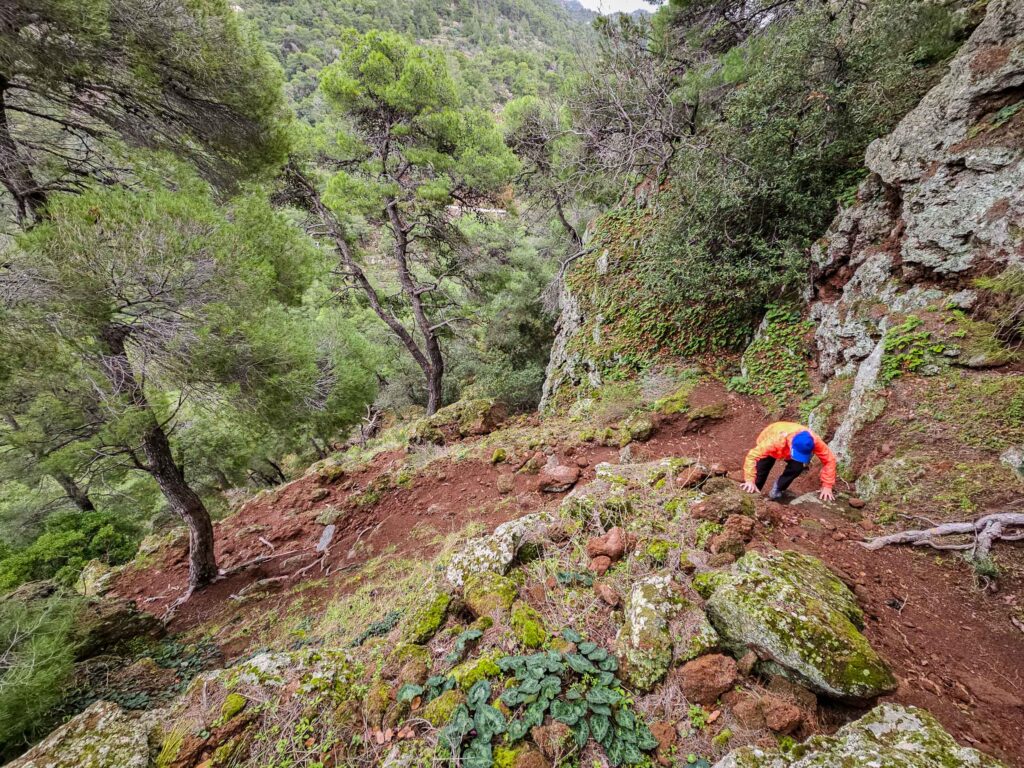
469	672
488	593
721	738
705	530
439	711
507	757
658	549
678	401
233	704
425	622
498	456
222	755
528	626
707	582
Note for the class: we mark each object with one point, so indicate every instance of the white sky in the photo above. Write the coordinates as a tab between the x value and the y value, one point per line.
613	6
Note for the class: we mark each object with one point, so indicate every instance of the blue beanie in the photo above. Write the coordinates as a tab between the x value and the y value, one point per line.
802	447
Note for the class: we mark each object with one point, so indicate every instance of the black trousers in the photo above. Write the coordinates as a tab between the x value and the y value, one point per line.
792	471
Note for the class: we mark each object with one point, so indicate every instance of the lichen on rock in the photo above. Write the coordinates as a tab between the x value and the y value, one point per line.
888	735
793	612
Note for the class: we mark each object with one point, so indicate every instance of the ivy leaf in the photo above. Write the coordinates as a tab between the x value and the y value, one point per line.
489	722
601	727
534	714
601	709
580	664
516	730
644	738
564	712
603	695
512	697
572	635
478	754
597	655
551	686
408	692
611	664
625	718
606	679
587	648
479	694
581	733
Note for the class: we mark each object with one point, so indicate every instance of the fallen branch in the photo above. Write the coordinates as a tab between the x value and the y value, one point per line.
985	531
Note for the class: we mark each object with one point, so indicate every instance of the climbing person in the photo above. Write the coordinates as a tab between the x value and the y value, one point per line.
796	444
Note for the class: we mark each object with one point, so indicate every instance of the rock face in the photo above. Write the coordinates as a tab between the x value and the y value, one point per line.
103	736
661	627
889	735
797	616
943	203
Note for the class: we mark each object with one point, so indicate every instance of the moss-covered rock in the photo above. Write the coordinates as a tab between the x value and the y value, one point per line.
489	594
427	618
469	672
644	643
657	550
439	711
496	552
103	736
638	427
889	735
789	608
498	456
528	626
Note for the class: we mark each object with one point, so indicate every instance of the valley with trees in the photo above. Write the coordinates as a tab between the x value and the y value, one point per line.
377	377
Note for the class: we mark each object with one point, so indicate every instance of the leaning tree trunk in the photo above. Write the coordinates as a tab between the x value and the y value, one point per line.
160	462
202	563
74	492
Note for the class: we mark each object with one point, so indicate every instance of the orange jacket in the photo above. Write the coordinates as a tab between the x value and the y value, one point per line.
775	440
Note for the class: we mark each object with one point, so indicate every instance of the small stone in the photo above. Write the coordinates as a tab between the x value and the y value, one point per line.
838	536
600	564
748	713
608	595
319	494
692	476
558	479
721	559
856	503
707	678
505	484
666	735
613	544
780	715
718	469
582	462
746	663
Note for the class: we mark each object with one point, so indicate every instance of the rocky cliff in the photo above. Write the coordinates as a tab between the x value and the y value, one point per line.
942	207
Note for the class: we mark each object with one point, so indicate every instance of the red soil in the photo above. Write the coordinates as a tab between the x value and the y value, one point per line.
951	644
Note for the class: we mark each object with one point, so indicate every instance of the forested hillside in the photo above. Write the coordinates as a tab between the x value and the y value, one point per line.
377	381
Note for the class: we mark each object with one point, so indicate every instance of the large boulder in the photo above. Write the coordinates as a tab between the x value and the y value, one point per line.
889	735
104	623
103	736
798	617
495	553
661	627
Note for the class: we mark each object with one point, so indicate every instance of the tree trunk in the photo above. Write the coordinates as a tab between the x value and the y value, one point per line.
74	491
15	173
202	562
431	362
160	461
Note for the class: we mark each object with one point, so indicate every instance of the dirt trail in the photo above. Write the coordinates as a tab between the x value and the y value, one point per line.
952	645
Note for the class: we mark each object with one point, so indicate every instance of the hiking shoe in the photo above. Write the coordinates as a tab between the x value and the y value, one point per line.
776	495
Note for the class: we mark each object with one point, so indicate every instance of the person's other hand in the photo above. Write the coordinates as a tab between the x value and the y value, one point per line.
749	487
825	494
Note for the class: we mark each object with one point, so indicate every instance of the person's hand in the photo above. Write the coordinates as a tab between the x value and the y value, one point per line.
749	487
825	494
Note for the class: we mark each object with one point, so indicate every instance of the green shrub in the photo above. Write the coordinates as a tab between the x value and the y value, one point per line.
35	666
69	541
